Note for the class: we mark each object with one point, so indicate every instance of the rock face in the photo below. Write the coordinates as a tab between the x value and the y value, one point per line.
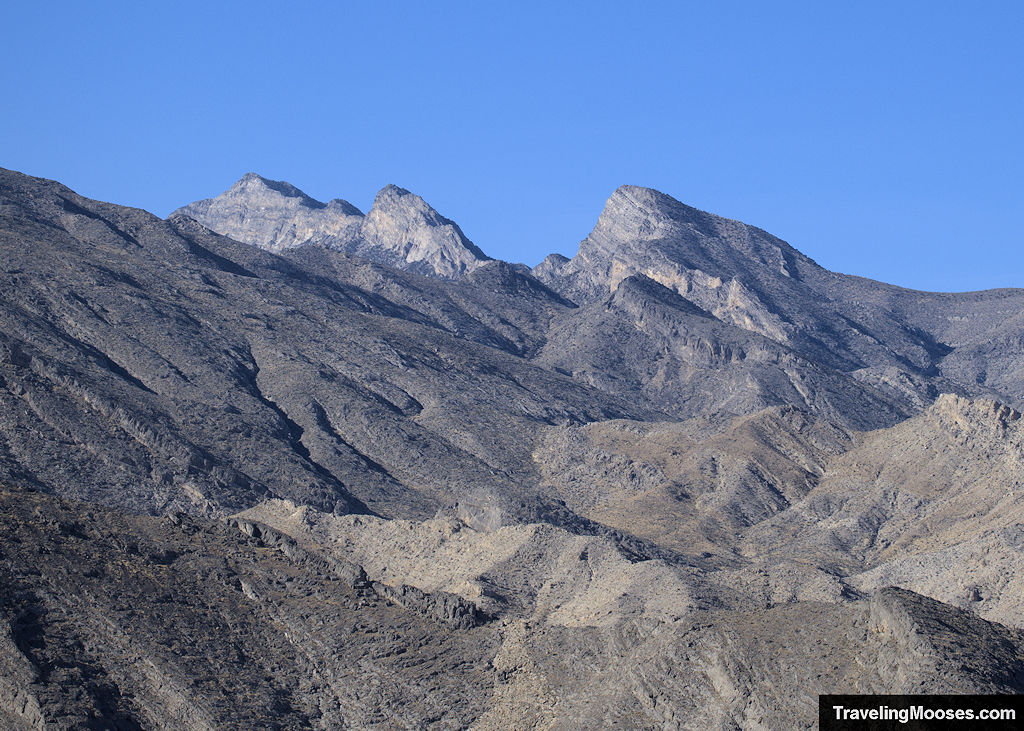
179	622
935	504
686	479
274	215
400	230
402	223
893	340
647	340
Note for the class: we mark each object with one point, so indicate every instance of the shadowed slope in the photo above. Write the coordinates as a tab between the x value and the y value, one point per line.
166	367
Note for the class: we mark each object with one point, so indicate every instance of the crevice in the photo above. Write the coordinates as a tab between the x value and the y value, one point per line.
293	430
220	262
105	361
75	209
295	433
324	422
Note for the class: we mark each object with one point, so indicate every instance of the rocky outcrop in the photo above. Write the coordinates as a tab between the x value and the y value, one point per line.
400	229
754	281
538	571
934	504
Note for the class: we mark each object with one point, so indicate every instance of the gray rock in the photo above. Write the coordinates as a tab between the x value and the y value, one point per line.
400	230
748	278
669	483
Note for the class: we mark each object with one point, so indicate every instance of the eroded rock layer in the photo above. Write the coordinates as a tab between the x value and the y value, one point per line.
274	463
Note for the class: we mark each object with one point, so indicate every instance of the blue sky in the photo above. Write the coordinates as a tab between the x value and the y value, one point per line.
882	139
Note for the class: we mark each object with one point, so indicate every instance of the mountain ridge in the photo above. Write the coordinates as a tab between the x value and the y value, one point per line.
400	229
885	336
678	481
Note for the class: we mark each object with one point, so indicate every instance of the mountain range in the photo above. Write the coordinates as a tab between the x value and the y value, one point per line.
296	466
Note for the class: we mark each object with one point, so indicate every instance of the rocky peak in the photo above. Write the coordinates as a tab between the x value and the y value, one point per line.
344	207
256	187
404	224
642	230
550	267
391	194
724	267
400	230
740	274
273	214
633	214
644	227
399	204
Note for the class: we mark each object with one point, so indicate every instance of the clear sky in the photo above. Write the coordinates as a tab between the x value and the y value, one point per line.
882	139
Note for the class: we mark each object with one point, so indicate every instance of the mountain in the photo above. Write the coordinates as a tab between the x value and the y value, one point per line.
400	230
899	342
893	342
271	461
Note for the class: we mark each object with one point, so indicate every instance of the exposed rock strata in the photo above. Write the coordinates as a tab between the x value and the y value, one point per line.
188	623
668	483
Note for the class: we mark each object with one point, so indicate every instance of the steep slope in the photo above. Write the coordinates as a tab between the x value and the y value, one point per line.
139	622
934	504
496	304
155	365
890	338
980	333
415	236
400	230
992	357
650	342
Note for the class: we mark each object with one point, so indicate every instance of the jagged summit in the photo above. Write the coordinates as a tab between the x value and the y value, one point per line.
648	200
272	214
403	223
642	228
390	191
400	230
254	183
344	206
